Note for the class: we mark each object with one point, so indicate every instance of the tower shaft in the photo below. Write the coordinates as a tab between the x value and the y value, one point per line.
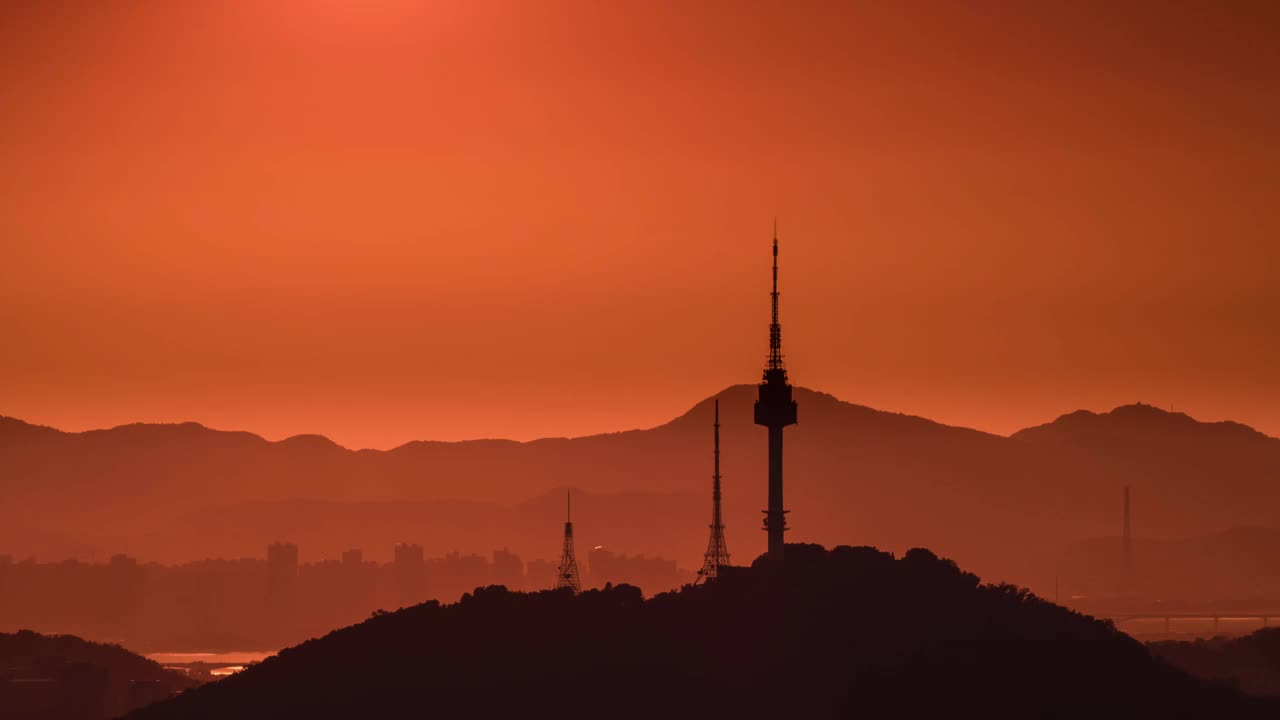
775	410
775	520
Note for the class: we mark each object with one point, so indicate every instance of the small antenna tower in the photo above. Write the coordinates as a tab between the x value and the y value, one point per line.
567	575
717	551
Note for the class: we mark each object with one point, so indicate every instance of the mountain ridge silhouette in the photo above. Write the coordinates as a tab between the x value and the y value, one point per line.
11	424
1136	417
854	474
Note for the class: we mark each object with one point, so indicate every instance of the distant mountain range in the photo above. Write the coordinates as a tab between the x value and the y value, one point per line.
854	474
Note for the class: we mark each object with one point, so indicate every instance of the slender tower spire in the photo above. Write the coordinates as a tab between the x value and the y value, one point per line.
717	551
567	575
775	328
775	410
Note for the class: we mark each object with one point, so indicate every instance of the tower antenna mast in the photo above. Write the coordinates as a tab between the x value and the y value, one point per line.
567	574
717	551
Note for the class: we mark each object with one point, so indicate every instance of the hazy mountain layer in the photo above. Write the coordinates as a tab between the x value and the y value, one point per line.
854	474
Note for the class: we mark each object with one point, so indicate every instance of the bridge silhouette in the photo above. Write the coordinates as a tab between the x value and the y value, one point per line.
1265	616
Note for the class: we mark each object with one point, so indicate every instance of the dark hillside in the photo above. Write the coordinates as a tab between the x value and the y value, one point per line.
1251	662
840	633
61	677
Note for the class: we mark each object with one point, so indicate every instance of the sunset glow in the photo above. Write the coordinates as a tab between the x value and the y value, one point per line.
639	358
393	220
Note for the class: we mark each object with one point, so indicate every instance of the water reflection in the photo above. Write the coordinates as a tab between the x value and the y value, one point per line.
210	665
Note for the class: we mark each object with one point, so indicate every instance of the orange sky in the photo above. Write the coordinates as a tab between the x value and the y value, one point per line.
390	219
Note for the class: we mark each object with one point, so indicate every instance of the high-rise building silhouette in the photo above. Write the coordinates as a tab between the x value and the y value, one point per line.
282	561
507	569
775	410
410	571
409	557
717	550
567	573
281	599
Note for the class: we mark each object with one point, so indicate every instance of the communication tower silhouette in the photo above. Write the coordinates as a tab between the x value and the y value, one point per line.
567	574
717	550
775	410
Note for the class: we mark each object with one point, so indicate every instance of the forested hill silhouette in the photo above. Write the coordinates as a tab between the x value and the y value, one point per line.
998	504
61	676
851	631
1251	662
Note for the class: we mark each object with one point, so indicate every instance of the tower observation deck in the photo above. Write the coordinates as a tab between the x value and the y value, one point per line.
775	410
